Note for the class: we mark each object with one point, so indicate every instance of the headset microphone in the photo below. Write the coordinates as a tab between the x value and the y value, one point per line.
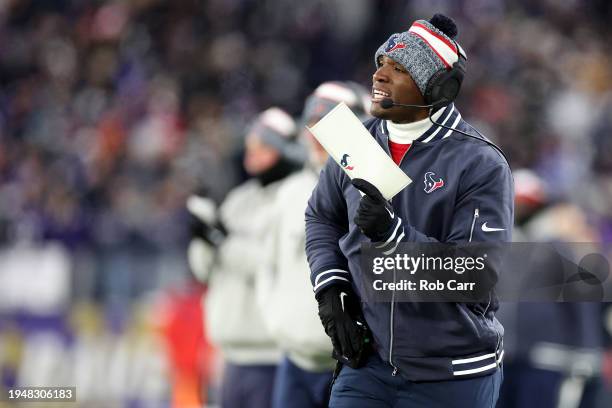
388	103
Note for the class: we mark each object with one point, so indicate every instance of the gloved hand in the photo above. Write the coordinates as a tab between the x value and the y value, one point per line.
343	321
212	234
204	223
375	216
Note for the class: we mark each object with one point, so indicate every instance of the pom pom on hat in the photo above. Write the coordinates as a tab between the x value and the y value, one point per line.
444	24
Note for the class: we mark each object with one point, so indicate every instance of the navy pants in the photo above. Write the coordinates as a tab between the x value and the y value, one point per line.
374	386
297	388
247	386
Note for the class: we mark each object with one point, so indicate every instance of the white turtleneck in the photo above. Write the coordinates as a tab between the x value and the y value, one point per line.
406	133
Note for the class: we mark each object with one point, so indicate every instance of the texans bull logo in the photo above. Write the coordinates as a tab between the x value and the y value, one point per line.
392	45
344	162
431	184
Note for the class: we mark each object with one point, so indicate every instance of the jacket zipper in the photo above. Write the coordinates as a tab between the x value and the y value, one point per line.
395	369
388	150
483	314
476	215
405	153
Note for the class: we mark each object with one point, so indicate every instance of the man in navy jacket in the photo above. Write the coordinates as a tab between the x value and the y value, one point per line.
424	354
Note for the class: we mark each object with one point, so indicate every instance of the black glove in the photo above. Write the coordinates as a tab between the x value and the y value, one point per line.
213	235
343	321
375	216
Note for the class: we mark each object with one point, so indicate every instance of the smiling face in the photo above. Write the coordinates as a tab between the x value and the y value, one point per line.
391	80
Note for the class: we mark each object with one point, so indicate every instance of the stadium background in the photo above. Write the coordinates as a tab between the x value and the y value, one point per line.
112	112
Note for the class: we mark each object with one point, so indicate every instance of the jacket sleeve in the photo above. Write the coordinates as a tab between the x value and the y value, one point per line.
326	222
484	211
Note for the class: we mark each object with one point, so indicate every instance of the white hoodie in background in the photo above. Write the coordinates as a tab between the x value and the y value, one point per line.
234	319
284	288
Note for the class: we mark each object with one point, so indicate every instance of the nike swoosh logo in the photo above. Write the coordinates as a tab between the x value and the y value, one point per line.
490	229
391	213
342	295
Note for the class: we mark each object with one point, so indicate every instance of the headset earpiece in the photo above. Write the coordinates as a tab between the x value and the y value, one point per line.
443	87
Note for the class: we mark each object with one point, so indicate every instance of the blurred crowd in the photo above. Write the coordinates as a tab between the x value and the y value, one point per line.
113	112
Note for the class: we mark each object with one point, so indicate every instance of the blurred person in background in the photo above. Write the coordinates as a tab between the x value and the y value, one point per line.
191	357
572	332
226	253
304	374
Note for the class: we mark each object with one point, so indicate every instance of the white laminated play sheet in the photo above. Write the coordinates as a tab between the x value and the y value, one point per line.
349	143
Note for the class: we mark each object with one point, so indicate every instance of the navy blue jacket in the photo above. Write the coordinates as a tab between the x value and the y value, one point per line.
462	191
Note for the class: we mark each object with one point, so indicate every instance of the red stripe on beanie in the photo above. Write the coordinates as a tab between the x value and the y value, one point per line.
438	36
448	66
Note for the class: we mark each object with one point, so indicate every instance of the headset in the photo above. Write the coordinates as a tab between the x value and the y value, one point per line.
442	89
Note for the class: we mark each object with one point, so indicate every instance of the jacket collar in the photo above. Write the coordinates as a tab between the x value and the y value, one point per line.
450	117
